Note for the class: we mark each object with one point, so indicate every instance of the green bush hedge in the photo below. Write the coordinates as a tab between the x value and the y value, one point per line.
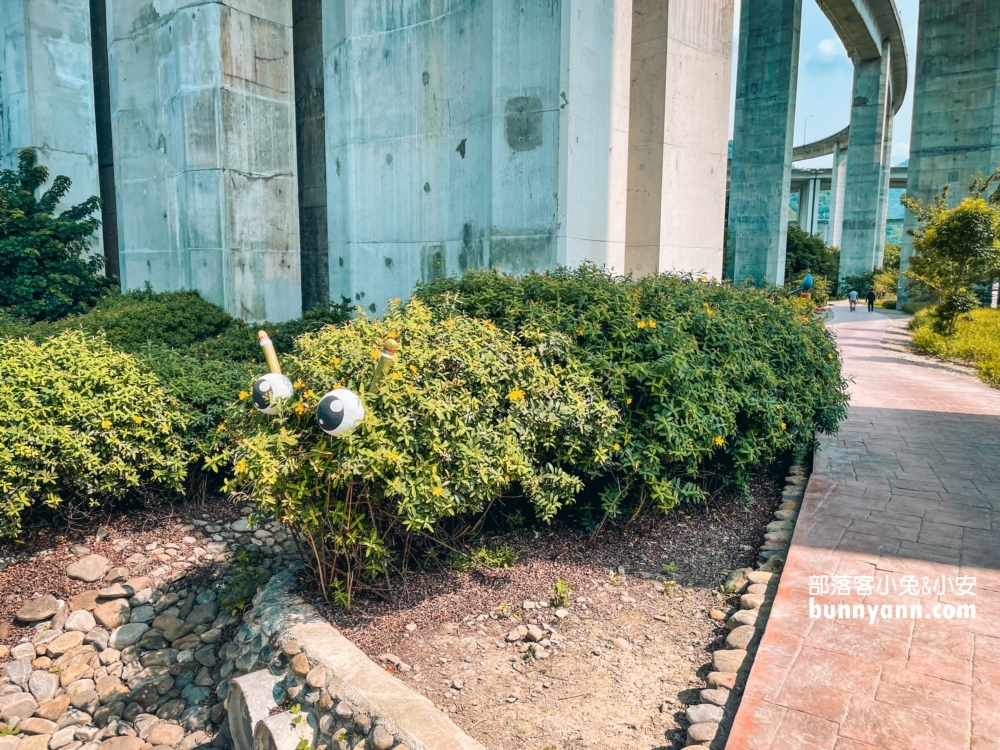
711	380
976	340
82	425
468	413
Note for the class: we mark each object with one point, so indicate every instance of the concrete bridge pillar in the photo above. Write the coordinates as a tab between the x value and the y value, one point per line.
767	72
956	103
486	135
838	187
865	178
47	91
883	205
809	191
678	144
203	120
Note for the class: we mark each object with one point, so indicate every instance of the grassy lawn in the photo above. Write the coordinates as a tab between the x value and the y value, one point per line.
976	340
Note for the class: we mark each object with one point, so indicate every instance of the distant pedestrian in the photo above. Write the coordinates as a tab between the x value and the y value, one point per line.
870	299
853	299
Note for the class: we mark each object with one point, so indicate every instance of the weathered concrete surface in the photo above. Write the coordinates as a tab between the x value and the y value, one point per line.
310	137
767	71
47	91
863	199
678	144
956	108
838	190
204	134
472	135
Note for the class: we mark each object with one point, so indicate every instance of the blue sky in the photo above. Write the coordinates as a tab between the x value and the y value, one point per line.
826	75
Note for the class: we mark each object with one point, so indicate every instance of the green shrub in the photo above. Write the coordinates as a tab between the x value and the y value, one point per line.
913	308
976	340
711	380
888	304
469	413
82	425
43	274
805	252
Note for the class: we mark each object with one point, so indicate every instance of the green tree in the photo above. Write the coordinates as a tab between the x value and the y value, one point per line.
955	248
43	272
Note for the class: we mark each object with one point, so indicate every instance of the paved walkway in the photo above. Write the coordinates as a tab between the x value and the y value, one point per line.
906	500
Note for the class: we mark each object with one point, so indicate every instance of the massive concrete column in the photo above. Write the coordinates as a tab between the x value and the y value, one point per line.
956	103
47	93
864	165
883	205
767	73
808	217
204	136
486	135
310	136
838	186
678	144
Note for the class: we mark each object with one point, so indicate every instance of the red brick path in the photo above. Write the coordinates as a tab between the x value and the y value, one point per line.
909	487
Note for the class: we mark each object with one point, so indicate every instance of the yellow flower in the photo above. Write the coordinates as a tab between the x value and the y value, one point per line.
391	455
335	361
395	376
308	394
516	395
652	324
617	446
628	400
413	369
297	384
710	311
243	395
374	354
579	331
106	424
137	420
394	334
220	428
641	324
778	407
300	408
436	491
829	356
719	440
783	425
241	466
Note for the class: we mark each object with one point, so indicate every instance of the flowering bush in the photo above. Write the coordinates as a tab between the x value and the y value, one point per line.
468	413
82	425
711	380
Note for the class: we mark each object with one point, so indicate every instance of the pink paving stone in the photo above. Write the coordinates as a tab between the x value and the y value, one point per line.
910	486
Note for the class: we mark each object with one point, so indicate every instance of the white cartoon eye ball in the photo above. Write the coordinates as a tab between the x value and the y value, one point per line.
340	411
269	389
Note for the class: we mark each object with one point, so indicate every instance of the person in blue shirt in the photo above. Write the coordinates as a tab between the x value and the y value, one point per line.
853	297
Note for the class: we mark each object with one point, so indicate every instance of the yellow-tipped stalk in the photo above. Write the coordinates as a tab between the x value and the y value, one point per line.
269	354
384	363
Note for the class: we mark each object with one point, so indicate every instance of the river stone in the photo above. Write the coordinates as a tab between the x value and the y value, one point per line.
89	569
86	700
730	660
117	591
382	738
87	600
739	638
43	685
195	718
751	601
80	620
9	742
203	613
98	638
704	712
163	657
117	575
127	635
122	743
715	696
64	643
38	609
63	738
35	742
171	710
53	709
18	671
759	576
165	734
112	614
703	733
142	614
743	617
34	725
736	580
21	705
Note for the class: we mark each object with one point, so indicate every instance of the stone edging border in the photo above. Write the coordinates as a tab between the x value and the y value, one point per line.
309	686
720	700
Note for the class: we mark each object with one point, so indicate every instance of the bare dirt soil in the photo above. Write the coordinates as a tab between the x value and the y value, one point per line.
620	661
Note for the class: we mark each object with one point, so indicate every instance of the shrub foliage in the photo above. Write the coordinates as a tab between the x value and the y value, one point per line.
82	425
468	413
43	272
710	380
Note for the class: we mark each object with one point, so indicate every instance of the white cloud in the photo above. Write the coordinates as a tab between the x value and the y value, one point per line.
829	49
